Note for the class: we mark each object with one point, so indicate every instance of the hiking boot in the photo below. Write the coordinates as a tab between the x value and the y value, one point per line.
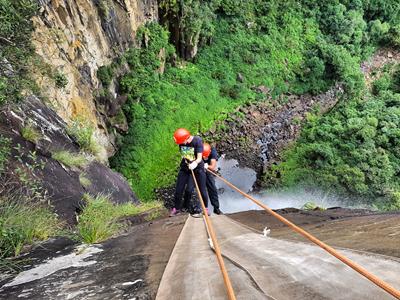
173	212
217	211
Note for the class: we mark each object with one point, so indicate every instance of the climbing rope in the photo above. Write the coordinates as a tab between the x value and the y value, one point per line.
382	284
227	282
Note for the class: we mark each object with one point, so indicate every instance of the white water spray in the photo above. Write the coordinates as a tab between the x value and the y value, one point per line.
244	178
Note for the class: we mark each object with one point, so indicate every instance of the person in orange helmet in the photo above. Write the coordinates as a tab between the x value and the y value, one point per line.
191	149
210	158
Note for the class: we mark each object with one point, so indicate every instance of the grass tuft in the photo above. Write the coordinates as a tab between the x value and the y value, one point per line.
153	215
84	181
99	219
23	222
70	159
82	130
4	152
310	205
30	134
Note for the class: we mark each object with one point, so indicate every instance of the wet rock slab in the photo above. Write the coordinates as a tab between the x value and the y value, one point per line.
295	270
356	229
126	267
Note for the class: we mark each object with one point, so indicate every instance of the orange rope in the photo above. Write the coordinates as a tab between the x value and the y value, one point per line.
228	285
382	284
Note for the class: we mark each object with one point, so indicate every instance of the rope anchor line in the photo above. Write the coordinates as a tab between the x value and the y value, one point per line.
379	282
214	242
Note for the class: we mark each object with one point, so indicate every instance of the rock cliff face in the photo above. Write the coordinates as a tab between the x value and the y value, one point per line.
46	160
73	38
33	170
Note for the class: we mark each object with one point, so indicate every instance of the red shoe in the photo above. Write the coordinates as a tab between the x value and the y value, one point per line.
173	212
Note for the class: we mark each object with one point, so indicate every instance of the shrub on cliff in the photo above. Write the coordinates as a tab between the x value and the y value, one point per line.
82	130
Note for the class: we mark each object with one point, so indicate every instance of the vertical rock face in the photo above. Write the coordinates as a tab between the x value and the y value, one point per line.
73	38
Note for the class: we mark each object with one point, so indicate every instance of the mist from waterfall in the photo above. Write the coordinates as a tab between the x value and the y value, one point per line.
244	178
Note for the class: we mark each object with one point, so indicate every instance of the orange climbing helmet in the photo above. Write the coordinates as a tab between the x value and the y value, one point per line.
181	135
206	150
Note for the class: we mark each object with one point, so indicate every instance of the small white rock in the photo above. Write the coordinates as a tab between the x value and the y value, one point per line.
266	231
132	283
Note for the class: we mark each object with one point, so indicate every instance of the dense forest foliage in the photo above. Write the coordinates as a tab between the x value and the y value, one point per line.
287	46
353	150
16	50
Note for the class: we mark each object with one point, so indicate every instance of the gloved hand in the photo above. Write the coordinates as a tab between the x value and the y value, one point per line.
193	165
205	166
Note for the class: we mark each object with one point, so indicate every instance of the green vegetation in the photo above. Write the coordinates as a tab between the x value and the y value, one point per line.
82	130
105	75
104	7
29	133
311	206
287	46
4	152
353	150
84	181
70	159
193	95
100	217
153	215
190	23
60	80
25	171
16	49
23	222
24	214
